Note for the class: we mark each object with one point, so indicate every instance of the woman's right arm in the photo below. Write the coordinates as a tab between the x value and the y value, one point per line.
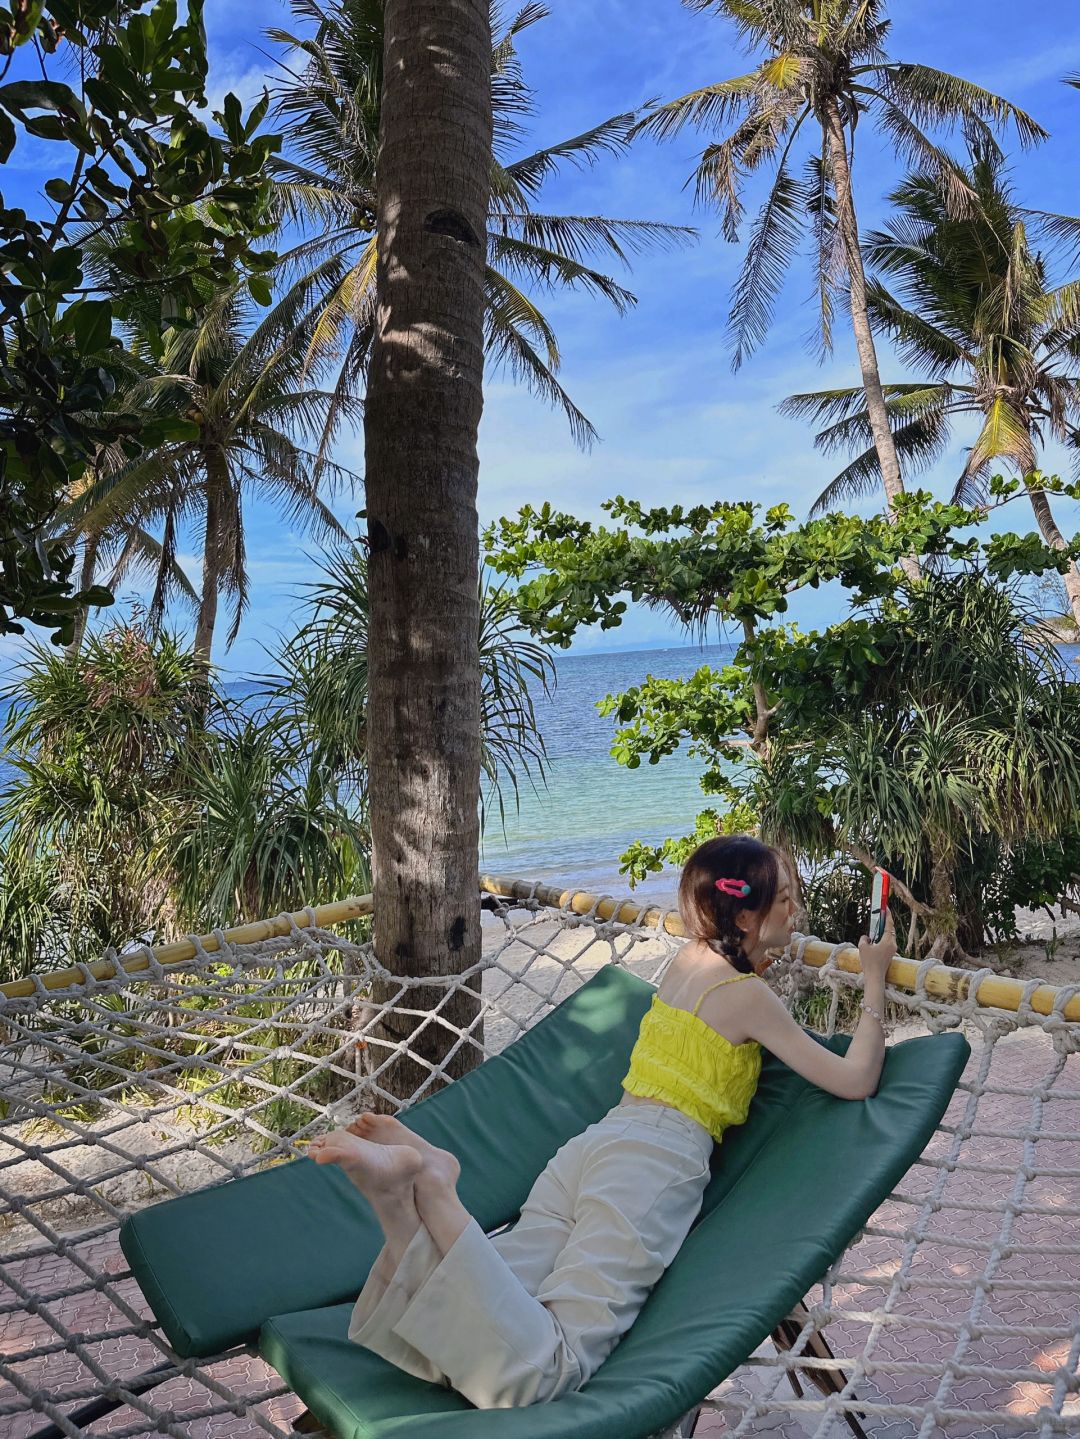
853	1075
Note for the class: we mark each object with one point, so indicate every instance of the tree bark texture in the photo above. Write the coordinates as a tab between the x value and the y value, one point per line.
1054	538
424	399
846	218
91	545
217	478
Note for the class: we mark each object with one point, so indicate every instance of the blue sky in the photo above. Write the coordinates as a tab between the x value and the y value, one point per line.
675	424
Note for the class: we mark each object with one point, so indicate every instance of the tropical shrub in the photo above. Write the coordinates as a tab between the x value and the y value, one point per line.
98	747
931	730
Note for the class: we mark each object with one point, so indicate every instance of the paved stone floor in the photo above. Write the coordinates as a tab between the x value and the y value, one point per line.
1040	1234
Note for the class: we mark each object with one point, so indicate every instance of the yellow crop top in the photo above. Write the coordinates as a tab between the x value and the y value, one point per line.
682	1061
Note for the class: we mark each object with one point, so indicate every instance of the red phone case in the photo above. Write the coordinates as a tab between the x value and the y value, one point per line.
878	913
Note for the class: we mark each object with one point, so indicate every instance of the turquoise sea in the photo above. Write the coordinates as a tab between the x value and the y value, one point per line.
573	829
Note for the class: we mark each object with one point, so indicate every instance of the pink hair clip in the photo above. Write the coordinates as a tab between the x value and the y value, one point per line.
737	887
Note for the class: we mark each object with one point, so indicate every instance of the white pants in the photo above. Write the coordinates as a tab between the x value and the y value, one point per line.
529	1313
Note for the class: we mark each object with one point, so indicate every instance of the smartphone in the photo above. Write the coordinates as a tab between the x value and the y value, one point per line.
879	904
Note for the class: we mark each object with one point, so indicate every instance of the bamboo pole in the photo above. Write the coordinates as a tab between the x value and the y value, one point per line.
181	950
943	981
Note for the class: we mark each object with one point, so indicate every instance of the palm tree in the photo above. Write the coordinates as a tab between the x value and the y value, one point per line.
422	413
329	186
317	698
973	310
242	390
824	66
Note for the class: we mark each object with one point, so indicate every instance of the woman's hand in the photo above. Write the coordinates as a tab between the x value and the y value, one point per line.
876	958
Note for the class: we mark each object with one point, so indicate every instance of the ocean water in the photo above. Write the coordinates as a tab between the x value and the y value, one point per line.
574	828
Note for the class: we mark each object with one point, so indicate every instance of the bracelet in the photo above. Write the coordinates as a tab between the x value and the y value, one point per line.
874	1012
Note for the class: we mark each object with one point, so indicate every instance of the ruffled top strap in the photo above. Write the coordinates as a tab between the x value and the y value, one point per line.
732	979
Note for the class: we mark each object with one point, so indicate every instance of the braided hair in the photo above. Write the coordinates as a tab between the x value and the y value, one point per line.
707	912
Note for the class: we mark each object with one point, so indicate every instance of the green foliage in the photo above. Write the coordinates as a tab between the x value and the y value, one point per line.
133	154
1033	874
264	829
97	746
327	182
836	898
724	566
643	859
319	703
928	726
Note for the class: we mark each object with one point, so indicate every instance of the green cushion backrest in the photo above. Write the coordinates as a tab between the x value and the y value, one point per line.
214	1265
789	1191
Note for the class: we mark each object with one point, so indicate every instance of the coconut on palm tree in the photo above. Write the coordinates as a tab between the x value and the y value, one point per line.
823	67
971	308
327	183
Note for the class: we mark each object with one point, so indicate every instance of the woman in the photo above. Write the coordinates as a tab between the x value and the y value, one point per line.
530	1313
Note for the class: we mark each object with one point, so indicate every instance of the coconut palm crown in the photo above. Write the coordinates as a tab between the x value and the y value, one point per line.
823	66
243	385
970	307
327	185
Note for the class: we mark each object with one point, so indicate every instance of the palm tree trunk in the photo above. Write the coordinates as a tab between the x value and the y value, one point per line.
846	218
424	399
91	545
1054	538
217	477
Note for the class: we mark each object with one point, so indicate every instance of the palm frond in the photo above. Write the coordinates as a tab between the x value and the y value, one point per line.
578	236
919	442
914	146
830	260
920	341
706	108
772	245
610	137
513	325
552	270
1005	435
934	97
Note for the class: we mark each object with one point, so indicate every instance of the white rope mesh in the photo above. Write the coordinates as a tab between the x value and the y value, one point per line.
957	1310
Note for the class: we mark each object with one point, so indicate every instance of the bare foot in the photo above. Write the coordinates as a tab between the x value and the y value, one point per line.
374	1168
385	1129
440	1167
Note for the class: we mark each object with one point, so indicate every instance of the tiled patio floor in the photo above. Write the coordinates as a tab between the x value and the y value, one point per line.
944	1257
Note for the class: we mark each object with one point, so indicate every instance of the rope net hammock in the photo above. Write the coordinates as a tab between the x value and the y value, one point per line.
132	1080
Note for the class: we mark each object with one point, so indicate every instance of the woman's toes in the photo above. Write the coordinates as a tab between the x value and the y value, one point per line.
369	1166
385	1129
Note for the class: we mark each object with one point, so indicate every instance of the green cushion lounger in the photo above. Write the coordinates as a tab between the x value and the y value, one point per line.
278	1258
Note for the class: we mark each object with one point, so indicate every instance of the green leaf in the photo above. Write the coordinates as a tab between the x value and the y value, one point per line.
257	115
260	290
45	127
58	190
90	322
7	137
22	95
93	208
231	120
